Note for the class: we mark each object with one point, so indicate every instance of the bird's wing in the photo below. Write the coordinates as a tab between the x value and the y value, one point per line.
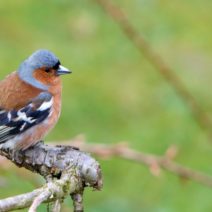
15	122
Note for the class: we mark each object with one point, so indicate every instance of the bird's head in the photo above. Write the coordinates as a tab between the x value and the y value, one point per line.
42	69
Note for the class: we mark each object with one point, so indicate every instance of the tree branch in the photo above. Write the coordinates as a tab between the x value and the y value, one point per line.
78	169
66	169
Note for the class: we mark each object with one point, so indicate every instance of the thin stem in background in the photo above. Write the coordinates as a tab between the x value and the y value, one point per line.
158	62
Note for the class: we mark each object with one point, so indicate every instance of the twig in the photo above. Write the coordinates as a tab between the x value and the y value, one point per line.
19	201
56	206
167	73
153	162
78	202
40	199
66	169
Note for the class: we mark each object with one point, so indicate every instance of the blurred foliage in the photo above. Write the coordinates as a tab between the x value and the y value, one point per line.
114	94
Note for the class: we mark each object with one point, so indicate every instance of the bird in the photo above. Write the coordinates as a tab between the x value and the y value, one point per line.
30	100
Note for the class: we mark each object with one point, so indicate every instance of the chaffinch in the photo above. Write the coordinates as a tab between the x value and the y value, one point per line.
30	100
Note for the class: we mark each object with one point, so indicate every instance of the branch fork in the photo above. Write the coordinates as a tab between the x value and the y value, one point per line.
67	172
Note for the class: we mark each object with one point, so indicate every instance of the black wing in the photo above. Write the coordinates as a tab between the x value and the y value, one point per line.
15	122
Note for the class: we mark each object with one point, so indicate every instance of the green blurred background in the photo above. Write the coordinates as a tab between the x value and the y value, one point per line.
115	95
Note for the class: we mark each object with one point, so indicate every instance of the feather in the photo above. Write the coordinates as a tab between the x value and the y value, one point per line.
15	122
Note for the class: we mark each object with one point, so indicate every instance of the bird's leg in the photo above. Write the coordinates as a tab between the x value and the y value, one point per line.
70	147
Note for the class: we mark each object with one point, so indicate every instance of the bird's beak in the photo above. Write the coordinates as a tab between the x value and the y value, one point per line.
62	70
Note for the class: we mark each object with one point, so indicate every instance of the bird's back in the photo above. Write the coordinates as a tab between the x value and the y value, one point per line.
15	93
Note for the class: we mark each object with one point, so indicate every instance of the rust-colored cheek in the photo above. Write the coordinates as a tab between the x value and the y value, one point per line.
49	79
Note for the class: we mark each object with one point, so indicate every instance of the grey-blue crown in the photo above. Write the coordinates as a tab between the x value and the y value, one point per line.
42	58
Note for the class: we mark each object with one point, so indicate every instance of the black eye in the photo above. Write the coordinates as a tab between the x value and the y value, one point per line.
47	70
